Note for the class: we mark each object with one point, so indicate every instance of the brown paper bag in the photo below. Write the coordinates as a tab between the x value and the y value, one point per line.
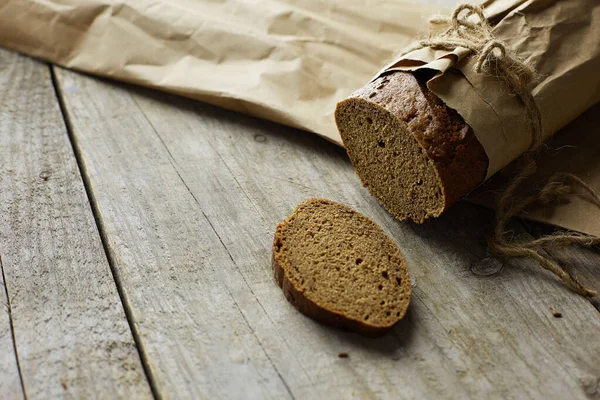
290	61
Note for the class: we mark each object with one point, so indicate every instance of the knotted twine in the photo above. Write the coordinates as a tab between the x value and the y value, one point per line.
495	58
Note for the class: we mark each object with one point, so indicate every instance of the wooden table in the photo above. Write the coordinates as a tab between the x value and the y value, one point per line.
135	237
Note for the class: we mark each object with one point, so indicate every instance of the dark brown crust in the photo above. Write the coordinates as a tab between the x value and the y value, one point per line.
448	140
313	310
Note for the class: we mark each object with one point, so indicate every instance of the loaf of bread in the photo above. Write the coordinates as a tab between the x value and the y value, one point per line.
338	267
413	153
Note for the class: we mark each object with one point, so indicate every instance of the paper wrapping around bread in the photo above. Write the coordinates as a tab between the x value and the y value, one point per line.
291	61
560	39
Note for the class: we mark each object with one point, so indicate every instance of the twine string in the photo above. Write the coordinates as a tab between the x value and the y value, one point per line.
468	28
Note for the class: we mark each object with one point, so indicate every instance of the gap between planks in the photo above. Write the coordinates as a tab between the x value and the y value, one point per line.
443	257
70	329
12	328
172	161
111	262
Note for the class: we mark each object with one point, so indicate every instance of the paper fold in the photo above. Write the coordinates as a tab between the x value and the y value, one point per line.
290	61
560	39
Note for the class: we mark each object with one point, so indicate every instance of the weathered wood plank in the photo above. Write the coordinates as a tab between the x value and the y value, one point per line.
186	295
72	336
584	263
190	195
244	153
10	382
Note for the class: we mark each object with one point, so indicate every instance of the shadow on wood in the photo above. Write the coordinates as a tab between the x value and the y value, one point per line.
305	141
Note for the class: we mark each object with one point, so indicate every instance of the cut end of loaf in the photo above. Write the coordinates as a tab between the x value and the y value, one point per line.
390	161
337	266
413	153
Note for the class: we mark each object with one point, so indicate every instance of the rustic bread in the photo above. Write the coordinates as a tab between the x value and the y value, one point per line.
337	266
415	155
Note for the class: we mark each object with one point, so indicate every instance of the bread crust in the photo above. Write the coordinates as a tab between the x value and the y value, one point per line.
459	158
306	306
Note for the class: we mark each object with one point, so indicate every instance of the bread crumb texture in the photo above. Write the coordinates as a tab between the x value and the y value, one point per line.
413	153
337	266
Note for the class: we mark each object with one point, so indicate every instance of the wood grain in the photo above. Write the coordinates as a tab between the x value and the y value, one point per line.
189	197
10	382
584	263
72	337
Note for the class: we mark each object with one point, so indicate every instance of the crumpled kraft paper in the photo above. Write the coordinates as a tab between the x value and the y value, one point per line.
561	39
290	61
575	149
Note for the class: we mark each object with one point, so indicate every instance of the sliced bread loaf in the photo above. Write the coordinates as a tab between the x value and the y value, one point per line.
337	266
415	155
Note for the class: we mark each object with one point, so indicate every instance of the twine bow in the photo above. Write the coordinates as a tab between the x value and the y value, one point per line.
495	58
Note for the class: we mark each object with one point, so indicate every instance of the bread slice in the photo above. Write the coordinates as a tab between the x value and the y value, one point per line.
338	267
415	155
